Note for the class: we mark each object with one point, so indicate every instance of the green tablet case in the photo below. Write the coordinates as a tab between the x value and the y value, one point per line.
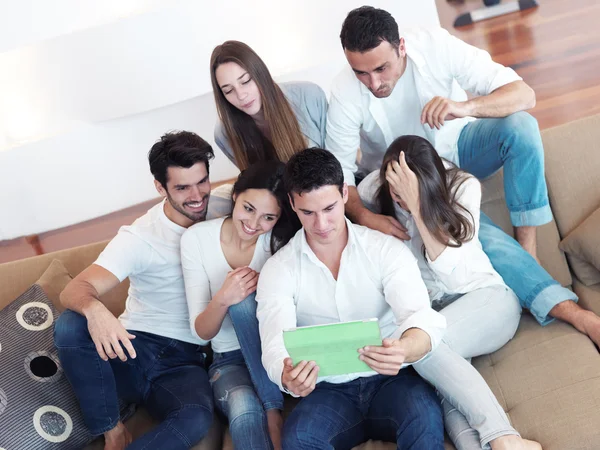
334	347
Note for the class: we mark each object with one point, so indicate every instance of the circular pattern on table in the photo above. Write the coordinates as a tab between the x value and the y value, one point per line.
52	423
3	402
35	316
43	366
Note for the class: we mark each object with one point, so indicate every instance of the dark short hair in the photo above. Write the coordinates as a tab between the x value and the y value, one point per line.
178	149
366	27
312	169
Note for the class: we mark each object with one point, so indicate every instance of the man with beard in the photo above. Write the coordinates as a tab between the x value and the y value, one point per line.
148	355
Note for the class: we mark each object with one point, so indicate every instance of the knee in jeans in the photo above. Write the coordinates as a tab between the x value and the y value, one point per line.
523	129
241	403
246	307
296	439
430	421
304	430
192	423
70	330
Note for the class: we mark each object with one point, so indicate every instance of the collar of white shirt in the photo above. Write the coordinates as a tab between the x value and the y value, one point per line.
308	251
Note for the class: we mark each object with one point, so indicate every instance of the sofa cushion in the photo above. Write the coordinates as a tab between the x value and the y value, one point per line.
33	388
18	276
584	271
546	379
589	296
573	171
53	281
583	244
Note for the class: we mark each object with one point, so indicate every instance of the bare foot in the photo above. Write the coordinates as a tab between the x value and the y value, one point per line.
118	438
275	424
514	442
586	322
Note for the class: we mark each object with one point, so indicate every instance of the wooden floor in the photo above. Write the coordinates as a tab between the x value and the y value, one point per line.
555	48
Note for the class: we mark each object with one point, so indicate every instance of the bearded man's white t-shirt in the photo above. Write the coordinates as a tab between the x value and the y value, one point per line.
148	252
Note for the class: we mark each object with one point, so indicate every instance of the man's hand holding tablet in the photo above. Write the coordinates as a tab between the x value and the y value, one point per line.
386	359
389	358
300	380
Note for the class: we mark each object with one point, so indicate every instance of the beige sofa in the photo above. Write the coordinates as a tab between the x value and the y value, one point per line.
547	379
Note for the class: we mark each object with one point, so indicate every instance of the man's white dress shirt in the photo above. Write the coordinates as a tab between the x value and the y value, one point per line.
441	65
378	278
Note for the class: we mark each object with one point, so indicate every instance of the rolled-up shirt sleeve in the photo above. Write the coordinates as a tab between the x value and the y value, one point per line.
473	67
276	311
406	293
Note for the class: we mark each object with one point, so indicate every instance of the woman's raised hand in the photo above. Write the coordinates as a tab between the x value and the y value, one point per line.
404	182
238	285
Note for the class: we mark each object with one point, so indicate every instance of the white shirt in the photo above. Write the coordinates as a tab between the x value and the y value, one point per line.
443	66
147	252
400	105
205	269
457	270
378	277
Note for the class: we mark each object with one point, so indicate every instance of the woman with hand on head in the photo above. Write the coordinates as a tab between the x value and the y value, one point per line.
221	260
439	205
261	120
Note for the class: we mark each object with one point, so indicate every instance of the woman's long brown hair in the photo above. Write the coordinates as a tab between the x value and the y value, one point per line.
248	143
445	218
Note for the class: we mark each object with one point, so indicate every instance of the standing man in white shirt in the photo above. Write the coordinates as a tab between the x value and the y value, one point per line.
148	355
335	271
415	85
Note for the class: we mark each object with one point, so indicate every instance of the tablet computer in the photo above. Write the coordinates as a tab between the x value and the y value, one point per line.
334	347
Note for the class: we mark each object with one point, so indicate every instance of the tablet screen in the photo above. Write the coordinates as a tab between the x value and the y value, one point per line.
334	347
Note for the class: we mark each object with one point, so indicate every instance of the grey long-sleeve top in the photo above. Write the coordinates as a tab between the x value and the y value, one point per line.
309	103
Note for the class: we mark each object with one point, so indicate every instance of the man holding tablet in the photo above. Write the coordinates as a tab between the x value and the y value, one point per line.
334	271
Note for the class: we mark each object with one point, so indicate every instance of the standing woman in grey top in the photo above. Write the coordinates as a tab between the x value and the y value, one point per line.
259	119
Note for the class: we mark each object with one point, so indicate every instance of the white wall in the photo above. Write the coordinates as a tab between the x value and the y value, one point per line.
86	88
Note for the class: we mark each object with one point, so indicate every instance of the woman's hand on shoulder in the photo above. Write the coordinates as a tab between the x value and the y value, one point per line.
238	285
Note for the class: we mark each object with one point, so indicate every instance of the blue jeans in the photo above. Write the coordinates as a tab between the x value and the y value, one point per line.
245	324
536	289
237	400
402	409
167	377
513	142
